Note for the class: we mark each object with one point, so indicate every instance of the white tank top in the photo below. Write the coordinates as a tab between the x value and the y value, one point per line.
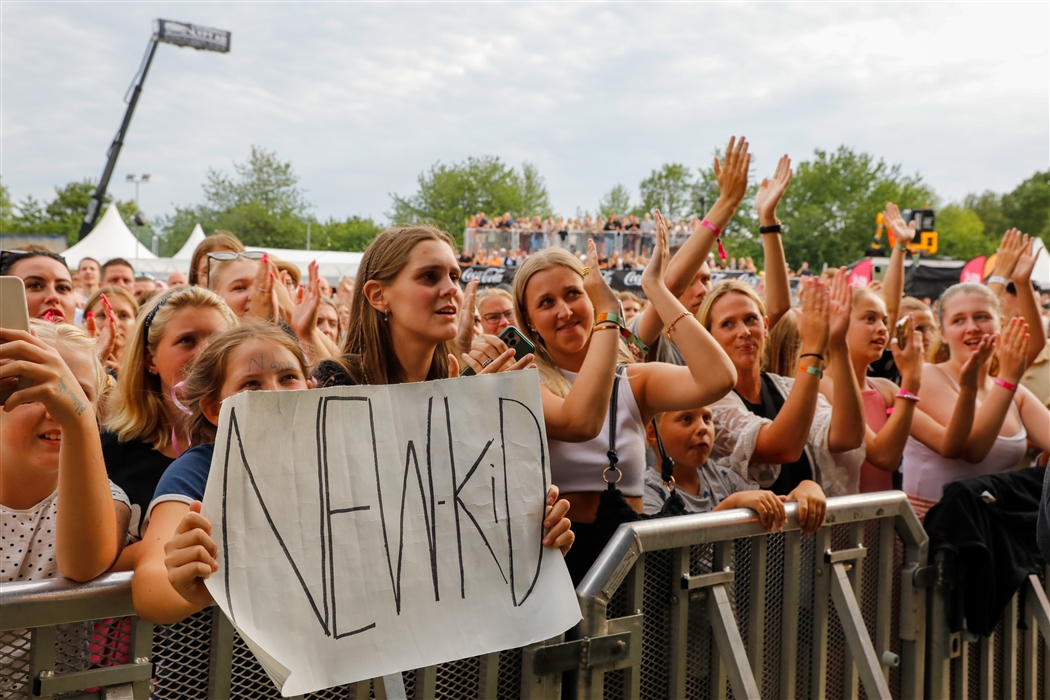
578	466
926	473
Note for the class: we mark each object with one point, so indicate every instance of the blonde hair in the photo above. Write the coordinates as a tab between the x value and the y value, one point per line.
77	339
492	293
783	346
111	293
720	290
206	377
546	259
220	240
943	352
136	410
368	351
220	267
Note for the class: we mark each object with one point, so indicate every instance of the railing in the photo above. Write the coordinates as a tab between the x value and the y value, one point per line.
529	240
690	607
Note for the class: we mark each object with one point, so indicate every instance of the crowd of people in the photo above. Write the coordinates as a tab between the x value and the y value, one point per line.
756	400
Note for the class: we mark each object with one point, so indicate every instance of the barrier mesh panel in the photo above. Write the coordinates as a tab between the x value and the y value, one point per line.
614	682
699	641
458	679
180	657
656	629
770	682
14	663
804	666
509	687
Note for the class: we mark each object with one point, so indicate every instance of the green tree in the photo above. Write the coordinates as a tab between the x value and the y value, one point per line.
960	233
63	214
740	236
615	201
829	209
668	189
1028	206
7	209
449	194
353	234
989	208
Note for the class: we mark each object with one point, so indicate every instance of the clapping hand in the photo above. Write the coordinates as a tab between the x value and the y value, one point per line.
770	192
732	175
840	304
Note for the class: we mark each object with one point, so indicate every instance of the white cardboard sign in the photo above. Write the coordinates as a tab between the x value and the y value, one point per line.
368	530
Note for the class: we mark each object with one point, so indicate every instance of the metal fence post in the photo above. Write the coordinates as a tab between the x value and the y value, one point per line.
635	589
821	604
679	615
756	608
220	657
789	619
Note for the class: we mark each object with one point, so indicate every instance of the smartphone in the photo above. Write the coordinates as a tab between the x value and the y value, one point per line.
514	339
14	313
903	332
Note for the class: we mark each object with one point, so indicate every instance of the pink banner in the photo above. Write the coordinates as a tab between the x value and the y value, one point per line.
860	275
973	271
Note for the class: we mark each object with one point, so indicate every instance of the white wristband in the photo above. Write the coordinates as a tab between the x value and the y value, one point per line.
996	279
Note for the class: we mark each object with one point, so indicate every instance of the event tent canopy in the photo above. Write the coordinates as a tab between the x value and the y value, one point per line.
186	251
111	238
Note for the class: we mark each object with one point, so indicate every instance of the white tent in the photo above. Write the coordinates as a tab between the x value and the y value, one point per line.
111	238
186	251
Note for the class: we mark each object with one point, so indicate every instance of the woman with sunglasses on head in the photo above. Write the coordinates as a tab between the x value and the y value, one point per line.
571	315
141	440
50	295
220	241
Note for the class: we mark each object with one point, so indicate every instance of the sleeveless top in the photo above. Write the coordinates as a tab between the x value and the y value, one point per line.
578	466
926	473
871	477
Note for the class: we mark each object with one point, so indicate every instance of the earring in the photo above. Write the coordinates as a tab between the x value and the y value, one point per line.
386	315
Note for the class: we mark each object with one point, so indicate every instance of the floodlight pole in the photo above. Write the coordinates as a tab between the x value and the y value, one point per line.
95	205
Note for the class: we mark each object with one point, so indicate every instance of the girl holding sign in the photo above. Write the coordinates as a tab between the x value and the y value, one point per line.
563	307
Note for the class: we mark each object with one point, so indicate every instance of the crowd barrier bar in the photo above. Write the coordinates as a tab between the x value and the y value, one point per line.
693	606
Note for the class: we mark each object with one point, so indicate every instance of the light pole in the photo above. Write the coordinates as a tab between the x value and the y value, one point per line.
140	220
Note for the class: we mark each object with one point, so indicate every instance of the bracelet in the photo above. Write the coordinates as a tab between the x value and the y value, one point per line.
605	328
718	237
1005	384
676	320
998	279
812	354
606	324
611	316
810	369
905	394
903	247
775	228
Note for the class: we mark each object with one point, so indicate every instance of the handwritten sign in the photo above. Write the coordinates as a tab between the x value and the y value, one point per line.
364	531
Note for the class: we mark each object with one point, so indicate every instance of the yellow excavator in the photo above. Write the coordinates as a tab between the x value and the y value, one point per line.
925	240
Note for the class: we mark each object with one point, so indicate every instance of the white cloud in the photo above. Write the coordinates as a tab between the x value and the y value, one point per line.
362	97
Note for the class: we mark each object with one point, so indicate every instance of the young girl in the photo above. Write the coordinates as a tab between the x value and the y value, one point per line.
178	551
686	437
778	431
1005	414
140	441
111	320
563	308
60	514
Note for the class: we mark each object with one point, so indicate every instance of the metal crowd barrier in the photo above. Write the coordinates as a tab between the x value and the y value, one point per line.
477	239
700	606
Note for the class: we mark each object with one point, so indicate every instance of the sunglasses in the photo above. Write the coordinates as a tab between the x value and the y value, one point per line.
228	256
9	257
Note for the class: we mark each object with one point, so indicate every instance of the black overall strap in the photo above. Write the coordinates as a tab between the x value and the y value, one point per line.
666	463
611	454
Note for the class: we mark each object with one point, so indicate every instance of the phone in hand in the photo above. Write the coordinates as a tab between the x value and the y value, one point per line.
14	313
514	339
903	331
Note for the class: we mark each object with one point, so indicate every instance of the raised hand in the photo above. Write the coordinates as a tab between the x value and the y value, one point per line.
902	232
1013	350
653	274
971	367
732	175
909	360
1010	249
770	192
813	322
191	556
840	303
1025	262
465	334
263	304
304	314
601	295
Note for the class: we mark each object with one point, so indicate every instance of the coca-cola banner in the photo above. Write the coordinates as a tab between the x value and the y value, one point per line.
620	280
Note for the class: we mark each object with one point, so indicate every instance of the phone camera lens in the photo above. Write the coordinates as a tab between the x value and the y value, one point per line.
512	341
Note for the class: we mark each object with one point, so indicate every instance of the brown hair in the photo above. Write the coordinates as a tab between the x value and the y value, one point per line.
136	410
937	347
115	262
368	351
219	239
111	293
783	346
545	259
208	374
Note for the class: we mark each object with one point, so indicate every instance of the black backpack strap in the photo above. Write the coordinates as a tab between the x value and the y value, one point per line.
611	454
666	463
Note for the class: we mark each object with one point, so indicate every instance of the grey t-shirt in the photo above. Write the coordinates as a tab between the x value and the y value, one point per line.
716	485
661	349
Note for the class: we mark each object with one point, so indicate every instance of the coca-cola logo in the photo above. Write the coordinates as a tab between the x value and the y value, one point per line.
632	278
491	276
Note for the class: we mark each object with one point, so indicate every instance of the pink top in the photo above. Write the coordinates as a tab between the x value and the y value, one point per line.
871	477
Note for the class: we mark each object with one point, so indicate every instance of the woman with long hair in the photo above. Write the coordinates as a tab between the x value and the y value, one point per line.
563	307
220	241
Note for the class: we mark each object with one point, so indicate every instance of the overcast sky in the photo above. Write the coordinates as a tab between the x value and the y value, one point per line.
363	97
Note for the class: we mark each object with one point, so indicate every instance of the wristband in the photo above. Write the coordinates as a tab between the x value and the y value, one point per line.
905	394
813	354
604	328
1005	384
901	246
718	237
810	369
997	279
775	228
610	316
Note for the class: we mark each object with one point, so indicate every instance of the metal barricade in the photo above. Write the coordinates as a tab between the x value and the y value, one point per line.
690	607
702	606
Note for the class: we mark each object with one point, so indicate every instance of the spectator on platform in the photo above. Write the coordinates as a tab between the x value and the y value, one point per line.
557	301
684	438
803	270
89	277
1002	414
218	242
778	431
50	295
118	272
140	441
145	287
